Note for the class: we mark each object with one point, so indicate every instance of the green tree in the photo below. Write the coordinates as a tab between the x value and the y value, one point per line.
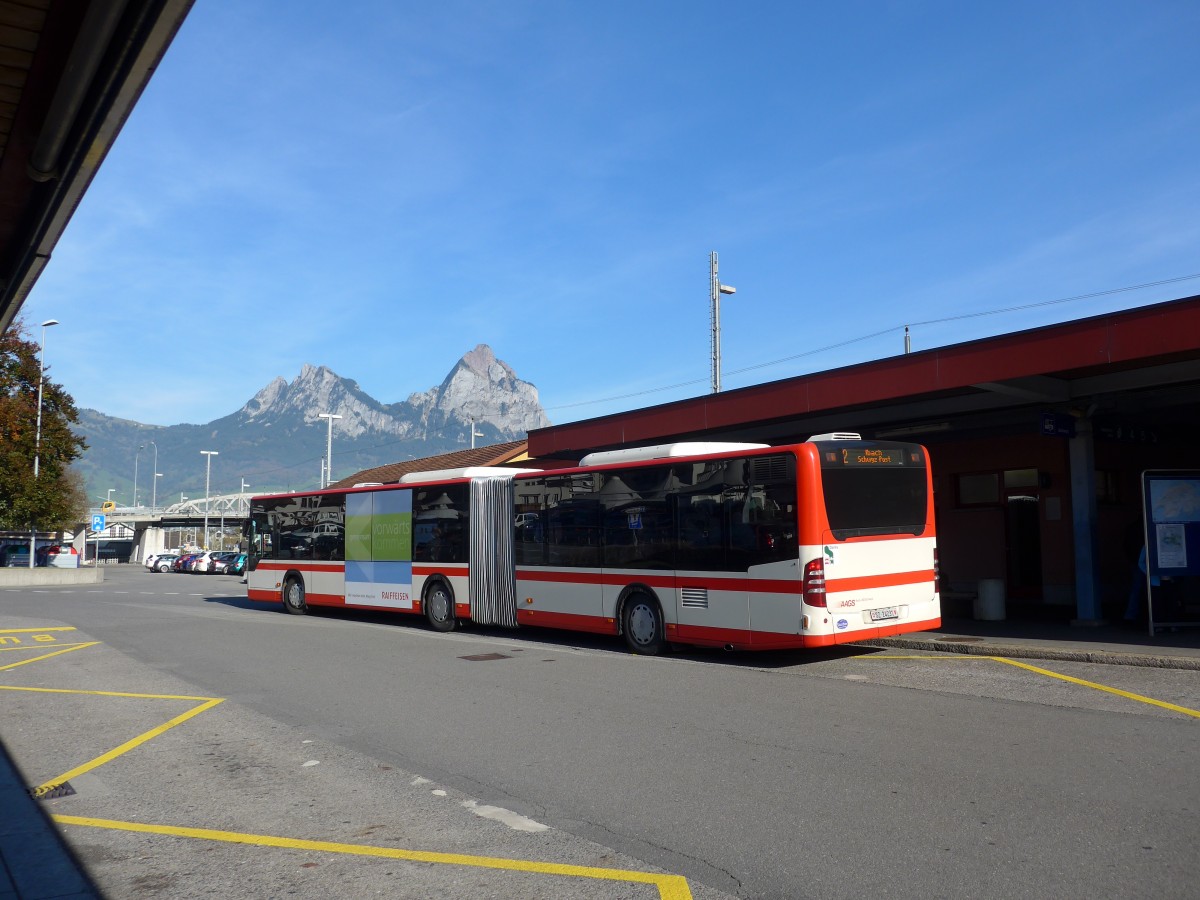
55	499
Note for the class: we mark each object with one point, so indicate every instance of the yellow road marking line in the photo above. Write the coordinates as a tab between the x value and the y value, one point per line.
38	690
1089	684
43	646
1100	687
126	747
36	630
48	655
670	887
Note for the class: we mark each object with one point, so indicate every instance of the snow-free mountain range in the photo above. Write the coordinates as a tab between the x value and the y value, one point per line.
277	442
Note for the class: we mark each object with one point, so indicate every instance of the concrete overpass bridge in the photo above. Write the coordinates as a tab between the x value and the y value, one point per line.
155	529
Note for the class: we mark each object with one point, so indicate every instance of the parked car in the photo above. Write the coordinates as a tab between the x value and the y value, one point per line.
163	562
179	564
219	564
58	556
206	560
237	565
15	554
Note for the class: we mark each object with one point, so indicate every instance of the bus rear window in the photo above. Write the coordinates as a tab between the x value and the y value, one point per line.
875	488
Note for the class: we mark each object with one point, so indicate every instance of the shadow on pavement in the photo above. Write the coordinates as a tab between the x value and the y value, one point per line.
35	861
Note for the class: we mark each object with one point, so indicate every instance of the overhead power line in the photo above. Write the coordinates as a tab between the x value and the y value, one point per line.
875	334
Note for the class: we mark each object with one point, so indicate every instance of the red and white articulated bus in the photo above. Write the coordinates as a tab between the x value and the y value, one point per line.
741	546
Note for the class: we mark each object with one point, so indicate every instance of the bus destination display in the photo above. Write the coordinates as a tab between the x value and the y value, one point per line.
872	456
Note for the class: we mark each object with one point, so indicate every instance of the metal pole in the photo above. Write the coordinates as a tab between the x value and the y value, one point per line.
157	475
208	454
37	446
715	290
328	468
135	468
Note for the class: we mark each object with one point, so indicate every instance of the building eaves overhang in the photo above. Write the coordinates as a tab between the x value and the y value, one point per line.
70	73
1155	346
491	455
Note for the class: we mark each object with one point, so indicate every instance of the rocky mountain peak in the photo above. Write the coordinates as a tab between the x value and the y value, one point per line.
484	389
479	388
480	360
276	439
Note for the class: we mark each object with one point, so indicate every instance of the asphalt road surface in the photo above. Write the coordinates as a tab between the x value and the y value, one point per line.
841	774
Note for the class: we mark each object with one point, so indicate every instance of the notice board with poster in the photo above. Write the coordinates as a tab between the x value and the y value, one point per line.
1171	510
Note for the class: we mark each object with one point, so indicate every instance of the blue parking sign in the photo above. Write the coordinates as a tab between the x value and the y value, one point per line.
98	522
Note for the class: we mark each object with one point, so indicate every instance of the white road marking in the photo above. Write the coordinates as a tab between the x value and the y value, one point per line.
505	817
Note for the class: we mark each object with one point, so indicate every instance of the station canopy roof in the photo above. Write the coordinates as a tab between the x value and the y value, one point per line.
1133	365
70	73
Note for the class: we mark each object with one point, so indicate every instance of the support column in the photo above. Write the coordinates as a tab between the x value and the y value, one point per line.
1083	518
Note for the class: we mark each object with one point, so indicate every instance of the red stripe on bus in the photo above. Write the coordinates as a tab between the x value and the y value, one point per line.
866	634
455	569
867	582
669	582
763	640
566	621
299	566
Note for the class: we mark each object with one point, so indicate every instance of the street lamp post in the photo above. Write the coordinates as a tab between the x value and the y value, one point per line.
111	491
157	475
208	454
135	468
37	445
328	448
716	289
242	499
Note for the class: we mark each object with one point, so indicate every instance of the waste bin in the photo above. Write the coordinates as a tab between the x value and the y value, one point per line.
989	600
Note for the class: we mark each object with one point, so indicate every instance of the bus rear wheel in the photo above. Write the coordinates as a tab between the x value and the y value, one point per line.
293	597
439	607
642	625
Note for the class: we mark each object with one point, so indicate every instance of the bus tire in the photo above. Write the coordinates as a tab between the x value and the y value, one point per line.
439	606
642	625
293	596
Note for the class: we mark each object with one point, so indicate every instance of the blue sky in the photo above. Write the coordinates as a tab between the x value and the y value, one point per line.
380	189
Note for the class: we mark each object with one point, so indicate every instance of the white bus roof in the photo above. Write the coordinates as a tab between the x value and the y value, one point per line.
665	451
836	436
465	472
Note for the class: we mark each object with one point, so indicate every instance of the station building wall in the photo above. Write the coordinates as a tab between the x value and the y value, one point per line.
977	536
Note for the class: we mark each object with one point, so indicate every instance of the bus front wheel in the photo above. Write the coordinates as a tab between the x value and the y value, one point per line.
439	607
643	625
293	597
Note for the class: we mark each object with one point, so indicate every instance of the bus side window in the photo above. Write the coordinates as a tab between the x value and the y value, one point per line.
701	533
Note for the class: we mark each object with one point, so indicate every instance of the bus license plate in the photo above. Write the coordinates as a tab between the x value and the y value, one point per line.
888	612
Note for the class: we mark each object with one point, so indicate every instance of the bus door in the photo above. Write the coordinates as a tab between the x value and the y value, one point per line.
763	513
712	601
558	552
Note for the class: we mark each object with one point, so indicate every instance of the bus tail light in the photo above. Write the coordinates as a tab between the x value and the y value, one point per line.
937	575
814	583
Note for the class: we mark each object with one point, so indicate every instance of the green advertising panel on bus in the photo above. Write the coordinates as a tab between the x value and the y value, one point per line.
379	549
